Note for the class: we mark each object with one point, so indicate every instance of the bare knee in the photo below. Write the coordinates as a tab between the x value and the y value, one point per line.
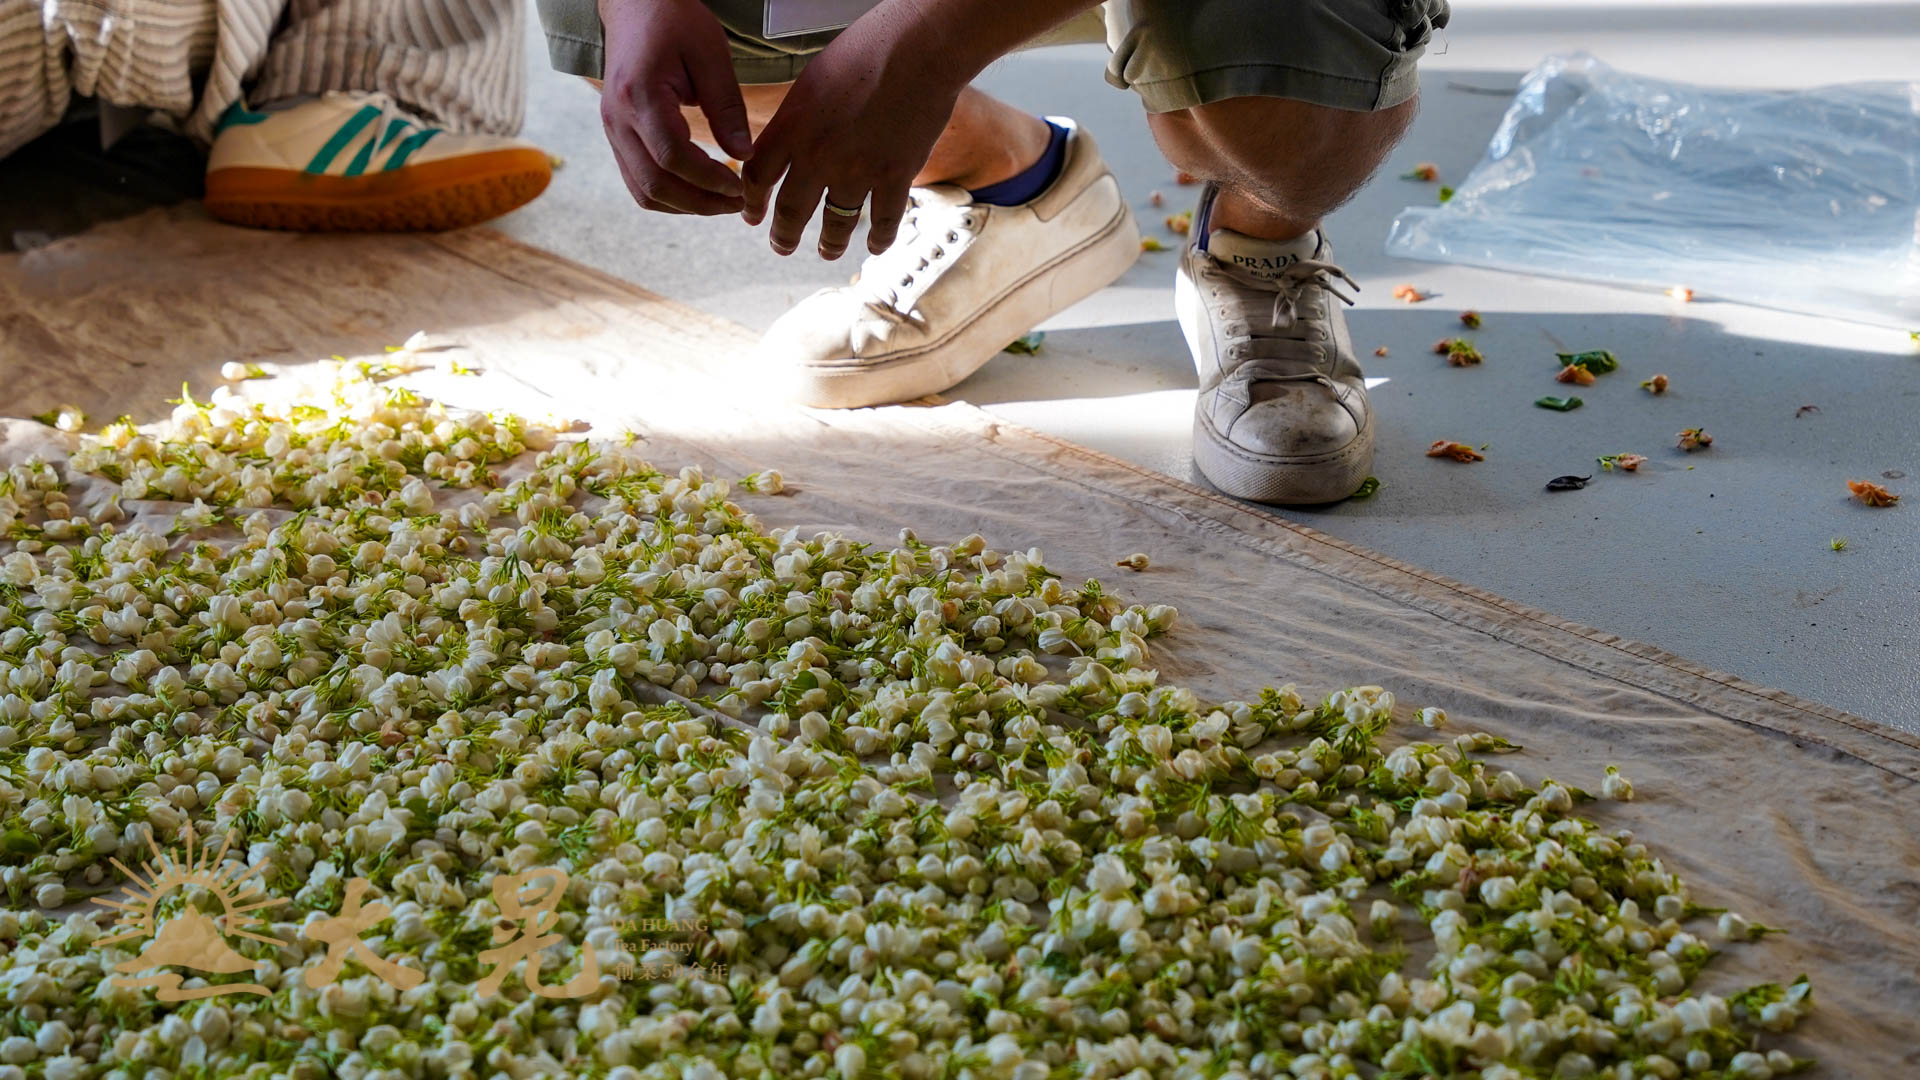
1310	157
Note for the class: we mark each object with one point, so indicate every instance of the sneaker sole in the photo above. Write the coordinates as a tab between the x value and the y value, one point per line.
1100	259
1244	474
433	196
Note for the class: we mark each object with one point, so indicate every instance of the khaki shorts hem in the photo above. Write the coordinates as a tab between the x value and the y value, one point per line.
576	56
1275	80
761	70
572	56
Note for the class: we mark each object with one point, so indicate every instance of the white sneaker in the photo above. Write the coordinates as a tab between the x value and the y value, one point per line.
961	282
1282	415
356	161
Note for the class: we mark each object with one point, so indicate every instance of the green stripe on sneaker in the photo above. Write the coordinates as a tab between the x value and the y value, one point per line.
340	139
236	115
359	163
407	146
394	128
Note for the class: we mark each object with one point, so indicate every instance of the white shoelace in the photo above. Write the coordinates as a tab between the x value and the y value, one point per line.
892	282
1270	353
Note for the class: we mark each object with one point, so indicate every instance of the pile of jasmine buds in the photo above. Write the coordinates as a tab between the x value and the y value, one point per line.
932	805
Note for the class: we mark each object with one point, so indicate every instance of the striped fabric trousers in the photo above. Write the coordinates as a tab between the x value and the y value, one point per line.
459	63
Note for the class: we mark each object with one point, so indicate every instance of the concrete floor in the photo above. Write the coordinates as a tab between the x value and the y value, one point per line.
1724	557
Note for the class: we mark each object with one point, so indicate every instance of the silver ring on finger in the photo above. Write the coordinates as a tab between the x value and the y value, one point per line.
844	211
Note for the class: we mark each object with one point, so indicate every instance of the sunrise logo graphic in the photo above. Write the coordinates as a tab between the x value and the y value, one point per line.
189	937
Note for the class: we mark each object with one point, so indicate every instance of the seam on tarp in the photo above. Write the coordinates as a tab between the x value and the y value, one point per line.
1636	650
995	439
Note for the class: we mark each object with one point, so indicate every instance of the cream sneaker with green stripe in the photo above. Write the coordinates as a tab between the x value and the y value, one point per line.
358	162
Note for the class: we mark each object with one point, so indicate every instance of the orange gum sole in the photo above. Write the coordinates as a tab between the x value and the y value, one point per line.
435	195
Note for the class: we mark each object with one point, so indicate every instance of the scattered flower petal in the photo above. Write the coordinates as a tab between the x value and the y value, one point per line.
1597	361
1871	493
1459	351
1624	462
64	418
1616	786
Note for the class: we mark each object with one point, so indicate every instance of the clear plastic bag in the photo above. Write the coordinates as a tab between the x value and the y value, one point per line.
1806	200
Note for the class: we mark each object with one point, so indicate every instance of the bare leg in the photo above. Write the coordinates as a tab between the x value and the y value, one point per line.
986	140
1281	164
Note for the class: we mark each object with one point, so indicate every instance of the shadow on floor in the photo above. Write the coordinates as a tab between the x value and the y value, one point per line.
63	183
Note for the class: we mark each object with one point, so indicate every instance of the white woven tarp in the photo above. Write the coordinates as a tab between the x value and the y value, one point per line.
1797	815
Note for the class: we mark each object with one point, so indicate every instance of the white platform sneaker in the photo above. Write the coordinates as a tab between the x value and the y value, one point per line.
1282	415
962	281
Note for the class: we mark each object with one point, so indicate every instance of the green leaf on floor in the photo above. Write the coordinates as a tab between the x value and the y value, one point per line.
1366	489
1559	404
1598	361
1446	194
1027	344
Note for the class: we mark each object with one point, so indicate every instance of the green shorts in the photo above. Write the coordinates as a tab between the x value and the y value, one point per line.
1176	54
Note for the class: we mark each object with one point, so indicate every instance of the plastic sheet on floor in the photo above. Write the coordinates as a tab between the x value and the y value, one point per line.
1805	200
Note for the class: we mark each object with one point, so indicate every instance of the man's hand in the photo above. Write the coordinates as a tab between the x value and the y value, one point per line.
662	54
857	125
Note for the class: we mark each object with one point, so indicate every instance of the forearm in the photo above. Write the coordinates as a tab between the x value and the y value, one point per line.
957	39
